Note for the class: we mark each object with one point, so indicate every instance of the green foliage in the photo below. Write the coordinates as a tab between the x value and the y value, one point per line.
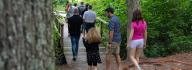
59	2
59	5
169	26
59	8
59	53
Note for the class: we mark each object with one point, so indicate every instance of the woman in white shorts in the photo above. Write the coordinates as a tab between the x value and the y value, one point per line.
137	38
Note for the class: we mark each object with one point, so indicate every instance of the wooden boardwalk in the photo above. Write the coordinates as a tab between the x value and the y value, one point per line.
81	63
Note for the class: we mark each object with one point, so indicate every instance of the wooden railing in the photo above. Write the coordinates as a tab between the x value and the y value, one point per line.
58	41
102	23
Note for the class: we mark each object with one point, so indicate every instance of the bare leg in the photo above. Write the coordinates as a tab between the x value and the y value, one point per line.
108	61
138	54
118	61
94	67
89	67
132	56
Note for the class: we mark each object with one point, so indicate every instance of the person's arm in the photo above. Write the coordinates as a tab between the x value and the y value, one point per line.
85	43
84	15
69	8
145	36
130	36
111	32
145	39
110	36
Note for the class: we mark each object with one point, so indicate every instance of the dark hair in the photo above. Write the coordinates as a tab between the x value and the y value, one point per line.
82	3
86	5
67	2
111	10
137	15
75	4
90	7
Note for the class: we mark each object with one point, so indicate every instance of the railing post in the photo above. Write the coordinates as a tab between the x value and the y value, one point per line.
101	29
61	32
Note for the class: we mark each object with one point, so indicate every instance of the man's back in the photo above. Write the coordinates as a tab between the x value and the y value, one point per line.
114	25
89	16
75	24
81	9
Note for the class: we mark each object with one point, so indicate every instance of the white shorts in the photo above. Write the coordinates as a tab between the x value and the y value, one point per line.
137	43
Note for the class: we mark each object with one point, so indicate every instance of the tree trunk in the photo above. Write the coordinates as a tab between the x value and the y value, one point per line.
131	6
26	35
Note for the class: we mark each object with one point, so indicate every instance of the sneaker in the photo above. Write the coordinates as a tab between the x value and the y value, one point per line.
74	59
139	68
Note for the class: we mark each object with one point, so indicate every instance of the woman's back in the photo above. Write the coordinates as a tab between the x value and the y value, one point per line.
139	29
93	47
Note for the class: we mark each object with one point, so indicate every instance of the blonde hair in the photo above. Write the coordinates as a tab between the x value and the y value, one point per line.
93	36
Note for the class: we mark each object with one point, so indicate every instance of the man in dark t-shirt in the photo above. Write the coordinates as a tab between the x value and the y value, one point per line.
74	25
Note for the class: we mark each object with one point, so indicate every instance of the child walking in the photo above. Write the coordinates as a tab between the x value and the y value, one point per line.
91	42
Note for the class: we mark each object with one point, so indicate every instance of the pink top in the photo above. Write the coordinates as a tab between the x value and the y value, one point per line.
139	29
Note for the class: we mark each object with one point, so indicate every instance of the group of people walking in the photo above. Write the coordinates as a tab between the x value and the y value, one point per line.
81	21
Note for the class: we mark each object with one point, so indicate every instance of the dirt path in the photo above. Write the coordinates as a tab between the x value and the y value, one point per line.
182	61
